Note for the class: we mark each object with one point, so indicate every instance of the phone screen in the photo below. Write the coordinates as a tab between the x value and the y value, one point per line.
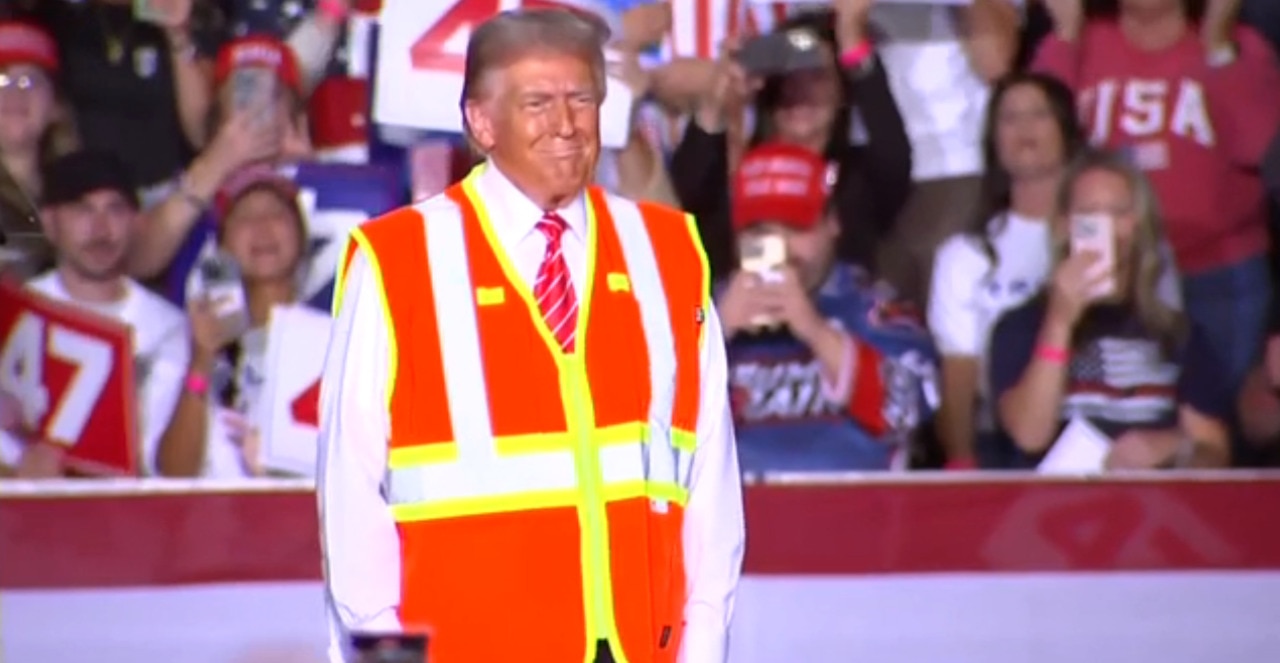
761	253
219	281
1095	233
253	90
781	53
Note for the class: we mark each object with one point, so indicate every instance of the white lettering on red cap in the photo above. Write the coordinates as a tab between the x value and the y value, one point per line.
257	55
776	165
775	186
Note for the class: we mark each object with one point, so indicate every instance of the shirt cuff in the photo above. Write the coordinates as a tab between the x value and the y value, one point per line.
705	640
866	402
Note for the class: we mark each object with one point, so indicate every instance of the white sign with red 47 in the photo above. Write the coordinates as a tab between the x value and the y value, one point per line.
421	53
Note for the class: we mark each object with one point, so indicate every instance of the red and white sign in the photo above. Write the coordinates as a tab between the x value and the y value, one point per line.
421	52
72	370
980	569
297	339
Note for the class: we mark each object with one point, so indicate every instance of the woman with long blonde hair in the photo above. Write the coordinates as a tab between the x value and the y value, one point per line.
36	126
1101	348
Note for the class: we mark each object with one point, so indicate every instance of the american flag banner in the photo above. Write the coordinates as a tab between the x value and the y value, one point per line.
698	27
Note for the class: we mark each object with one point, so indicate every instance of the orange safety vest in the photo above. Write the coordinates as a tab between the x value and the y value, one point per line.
540	496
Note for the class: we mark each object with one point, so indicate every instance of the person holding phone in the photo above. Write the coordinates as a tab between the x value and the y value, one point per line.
1193	98
262	241
1003	258
258	117
829	371
799	85
1100	343
497	468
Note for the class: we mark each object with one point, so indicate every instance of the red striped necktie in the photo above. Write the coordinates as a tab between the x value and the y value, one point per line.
553	288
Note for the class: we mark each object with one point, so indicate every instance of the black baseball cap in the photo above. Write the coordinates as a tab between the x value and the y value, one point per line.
75	175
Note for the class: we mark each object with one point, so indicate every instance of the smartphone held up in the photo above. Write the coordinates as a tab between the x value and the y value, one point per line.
218	281
763	254
1095	233
254	91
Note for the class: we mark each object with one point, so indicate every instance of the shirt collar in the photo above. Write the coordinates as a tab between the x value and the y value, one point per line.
517	216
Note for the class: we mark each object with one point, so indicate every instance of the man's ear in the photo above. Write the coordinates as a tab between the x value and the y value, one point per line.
480	124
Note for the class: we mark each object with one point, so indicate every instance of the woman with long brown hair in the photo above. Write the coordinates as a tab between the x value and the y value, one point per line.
35	127
1100	346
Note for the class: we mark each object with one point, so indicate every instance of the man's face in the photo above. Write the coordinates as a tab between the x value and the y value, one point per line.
93	234
811	251
540	121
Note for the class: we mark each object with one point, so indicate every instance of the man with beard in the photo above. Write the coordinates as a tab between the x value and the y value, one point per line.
829	370
90	216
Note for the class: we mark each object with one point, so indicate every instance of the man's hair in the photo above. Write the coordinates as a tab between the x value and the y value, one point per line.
511	35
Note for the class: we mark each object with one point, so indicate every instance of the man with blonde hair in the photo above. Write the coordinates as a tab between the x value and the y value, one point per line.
526	445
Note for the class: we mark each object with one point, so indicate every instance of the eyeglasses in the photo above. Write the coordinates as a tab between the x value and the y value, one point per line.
21	82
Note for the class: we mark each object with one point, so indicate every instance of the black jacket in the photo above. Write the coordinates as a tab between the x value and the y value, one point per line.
872	186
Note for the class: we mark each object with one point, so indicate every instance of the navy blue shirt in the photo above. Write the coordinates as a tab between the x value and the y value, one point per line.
1120	377
783	419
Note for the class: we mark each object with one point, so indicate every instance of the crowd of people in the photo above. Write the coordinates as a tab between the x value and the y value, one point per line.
888	203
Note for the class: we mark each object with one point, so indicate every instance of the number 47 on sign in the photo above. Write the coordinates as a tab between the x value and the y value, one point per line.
72	371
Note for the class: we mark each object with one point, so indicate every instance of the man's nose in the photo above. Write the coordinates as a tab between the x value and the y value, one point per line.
562	119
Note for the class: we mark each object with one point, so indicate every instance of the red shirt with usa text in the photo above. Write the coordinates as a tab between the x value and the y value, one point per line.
1199	132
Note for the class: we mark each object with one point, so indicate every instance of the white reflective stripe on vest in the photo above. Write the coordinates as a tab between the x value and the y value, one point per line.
479	471
663	462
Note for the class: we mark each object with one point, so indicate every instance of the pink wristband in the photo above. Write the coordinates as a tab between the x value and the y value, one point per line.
1052	354
197	384
854	55
334	10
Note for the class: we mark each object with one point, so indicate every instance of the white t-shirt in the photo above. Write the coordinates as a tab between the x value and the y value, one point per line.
161	350
968	295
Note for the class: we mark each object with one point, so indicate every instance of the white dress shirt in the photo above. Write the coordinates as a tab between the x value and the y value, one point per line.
362	547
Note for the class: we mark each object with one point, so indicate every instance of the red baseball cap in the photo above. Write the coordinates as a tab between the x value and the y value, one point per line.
258	51
24	43
250	179
784	184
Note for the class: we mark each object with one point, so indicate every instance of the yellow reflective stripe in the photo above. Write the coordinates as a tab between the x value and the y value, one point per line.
485	505
340	278
684	440
513	445
705	285
375	268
